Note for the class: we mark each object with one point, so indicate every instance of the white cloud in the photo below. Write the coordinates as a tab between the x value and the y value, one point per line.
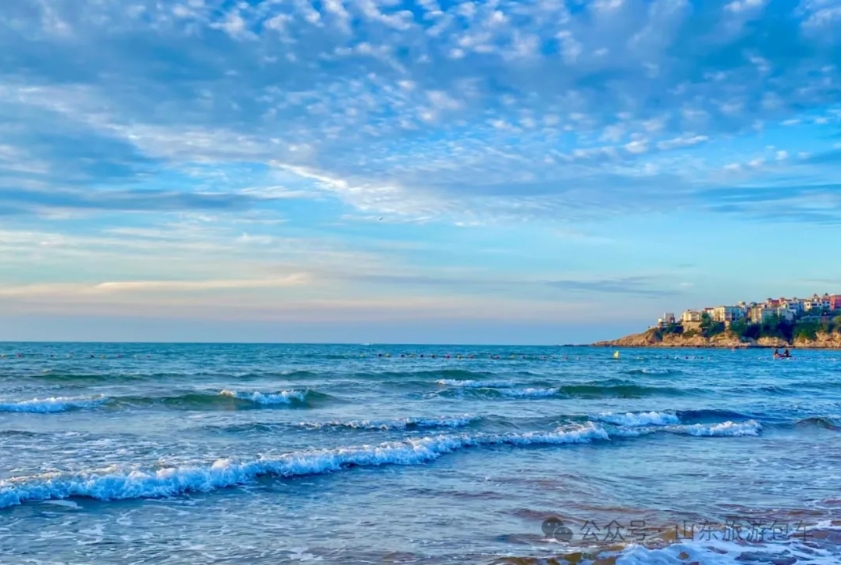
639	146
739	6
685	141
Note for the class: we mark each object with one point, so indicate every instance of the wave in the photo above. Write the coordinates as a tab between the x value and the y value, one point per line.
820	422
282	397
618	389
488	393
228	473
52	405
702	547
638	419
723	429
228	399
475	384
652	372
395	424
704	415
605	389
172	481
225	399
369	425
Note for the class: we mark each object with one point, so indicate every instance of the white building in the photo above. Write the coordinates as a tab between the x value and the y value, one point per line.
785	313
690	316
759	314
727	313
668	318
795	305
818	303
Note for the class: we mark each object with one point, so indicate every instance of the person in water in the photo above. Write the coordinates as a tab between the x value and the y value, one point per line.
786	353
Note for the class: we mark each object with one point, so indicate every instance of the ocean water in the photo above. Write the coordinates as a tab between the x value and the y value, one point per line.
143	453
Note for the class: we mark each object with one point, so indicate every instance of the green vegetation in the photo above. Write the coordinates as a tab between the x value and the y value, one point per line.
709	327
669	329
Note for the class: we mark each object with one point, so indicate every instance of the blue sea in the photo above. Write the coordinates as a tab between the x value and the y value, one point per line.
199	454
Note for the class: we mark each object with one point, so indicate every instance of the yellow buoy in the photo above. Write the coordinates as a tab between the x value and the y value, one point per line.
616	355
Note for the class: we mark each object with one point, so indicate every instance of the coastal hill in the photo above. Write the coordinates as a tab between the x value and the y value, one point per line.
727	339
780	324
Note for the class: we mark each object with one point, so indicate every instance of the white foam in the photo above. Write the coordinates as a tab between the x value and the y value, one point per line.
719	552
282	397
724	429
748	428
529	392
53	404
475	384
638	419
395	424
120	485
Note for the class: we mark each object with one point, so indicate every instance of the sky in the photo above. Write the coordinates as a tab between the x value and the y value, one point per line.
411	171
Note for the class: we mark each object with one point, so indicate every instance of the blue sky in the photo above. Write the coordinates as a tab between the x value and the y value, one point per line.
550	171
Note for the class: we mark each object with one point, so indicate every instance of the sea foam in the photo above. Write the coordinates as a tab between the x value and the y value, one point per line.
282	397
53	404
637	419
529	392
120	485
475	384
723	429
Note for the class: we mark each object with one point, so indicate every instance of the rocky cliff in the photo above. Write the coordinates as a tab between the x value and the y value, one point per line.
653	338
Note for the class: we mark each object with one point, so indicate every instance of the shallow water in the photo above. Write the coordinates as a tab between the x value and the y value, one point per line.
374	454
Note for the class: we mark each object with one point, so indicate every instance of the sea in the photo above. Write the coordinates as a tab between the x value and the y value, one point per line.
213	453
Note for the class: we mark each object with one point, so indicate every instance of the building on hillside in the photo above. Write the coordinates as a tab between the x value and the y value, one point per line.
690	316
835	302
819	303
667	319
759	314
785	313
795	305
727	314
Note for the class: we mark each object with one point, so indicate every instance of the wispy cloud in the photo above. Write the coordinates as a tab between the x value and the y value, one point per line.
640	286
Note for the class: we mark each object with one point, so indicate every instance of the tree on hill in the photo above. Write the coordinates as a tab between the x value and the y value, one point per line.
710	327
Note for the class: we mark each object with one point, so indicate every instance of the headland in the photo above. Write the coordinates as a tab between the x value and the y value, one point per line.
811	323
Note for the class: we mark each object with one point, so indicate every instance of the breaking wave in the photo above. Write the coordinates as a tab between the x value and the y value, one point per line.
723	429
475	384
282	397
225	399
121	485
637	419
51	405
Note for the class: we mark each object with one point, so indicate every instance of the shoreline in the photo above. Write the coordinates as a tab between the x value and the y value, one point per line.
725	340
712	346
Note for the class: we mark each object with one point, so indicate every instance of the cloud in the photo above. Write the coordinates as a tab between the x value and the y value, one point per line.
134	287
121	200
638	285
368	94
